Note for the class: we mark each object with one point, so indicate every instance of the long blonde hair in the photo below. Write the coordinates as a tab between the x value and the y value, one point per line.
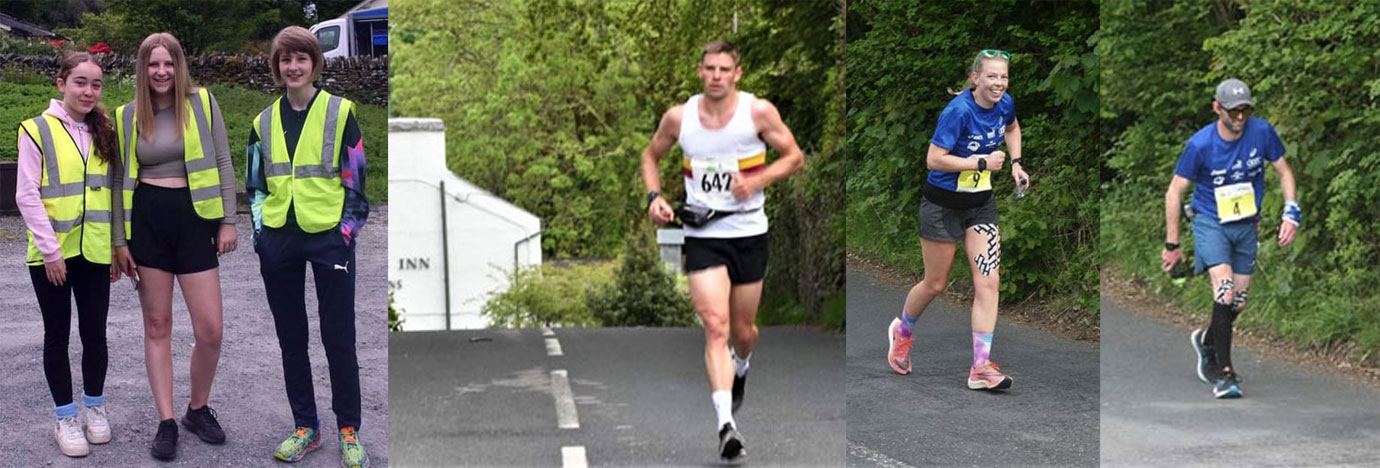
182	82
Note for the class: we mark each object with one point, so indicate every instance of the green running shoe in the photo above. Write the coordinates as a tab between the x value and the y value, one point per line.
303	440
352	454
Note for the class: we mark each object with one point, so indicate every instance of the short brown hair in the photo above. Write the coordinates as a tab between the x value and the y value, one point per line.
295	39
720	46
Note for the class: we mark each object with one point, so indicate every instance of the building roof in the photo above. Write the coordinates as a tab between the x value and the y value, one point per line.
24	29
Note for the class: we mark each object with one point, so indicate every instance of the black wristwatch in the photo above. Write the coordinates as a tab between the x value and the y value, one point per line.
1015	161
982	164
1170	246
652	195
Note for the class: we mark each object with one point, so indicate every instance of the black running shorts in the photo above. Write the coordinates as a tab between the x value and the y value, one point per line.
745	257
167	234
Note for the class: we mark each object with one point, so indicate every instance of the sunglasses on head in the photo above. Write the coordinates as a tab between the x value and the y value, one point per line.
991	53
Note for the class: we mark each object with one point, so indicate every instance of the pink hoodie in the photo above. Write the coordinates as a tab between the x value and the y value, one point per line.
30	174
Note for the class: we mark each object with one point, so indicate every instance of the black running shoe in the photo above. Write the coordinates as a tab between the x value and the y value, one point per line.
730	443
1227	386
165	442
739	382
203	423
1208	370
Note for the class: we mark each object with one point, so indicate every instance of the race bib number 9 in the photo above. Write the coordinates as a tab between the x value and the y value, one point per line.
713	180
974	181
1235	202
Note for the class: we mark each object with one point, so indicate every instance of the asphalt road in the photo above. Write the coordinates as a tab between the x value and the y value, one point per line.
248	393
1155	411
491	398
931	418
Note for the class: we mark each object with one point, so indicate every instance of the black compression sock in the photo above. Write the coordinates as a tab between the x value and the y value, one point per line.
1220	332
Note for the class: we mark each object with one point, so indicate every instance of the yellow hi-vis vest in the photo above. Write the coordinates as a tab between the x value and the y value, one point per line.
308	180
75	191
198	154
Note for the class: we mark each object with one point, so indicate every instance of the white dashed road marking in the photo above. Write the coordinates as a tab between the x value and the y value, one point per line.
566	417
573	457
553	347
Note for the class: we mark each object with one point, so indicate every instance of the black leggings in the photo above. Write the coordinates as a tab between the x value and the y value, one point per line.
89	283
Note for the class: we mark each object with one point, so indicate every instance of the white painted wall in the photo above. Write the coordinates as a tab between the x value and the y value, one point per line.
484	233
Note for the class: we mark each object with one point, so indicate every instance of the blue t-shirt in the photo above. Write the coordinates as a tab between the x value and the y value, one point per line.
966	129
1214	164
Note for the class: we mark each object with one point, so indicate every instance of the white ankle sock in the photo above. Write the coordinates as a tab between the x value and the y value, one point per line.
723	407
740	365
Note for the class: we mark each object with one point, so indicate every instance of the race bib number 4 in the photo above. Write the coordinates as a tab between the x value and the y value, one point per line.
974	181
1235	202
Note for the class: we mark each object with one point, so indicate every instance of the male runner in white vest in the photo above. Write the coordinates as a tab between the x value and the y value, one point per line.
724	134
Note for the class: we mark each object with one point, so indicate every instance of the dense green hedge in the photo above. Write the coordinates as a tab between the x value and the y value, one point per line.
1312	70
903	55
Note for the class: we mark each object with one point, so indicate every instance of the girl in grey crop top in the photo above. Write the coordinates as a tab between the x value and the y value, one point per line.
163	157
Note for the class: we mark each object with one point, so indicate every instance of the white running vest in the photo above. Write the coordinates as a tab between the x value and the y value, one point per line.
713	161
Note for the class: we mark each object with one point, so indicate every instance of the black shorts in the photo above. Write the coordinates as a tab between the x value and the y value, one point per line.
745	257
941	224
167	234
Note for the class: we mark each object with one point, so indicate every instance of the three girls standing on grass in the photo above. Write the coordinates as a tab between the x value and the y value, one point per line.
151	196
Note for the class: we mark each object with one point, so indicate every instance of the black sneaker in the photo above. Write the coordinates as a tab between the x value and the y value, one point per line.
1227	386
739	382
202	422
165	442
1208	370
730	443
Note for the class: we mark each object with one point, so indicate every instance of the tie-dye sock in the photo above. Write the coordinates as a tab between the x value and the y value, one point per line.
906	323
982	347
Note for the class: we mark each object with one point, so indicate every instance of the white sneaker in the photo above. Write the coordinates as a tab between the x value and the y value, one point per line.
97	426
70	439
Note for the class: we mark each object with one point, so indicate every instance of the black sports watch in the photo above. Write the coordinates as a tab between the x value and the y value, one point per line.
1170	246
1015	161
652	195
982	164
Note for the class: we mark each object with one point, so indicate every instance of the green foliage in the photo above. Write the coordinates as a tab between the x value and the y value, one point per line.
238	106
201	26
550	294
644	294
550	104
10	45
395	319
902	63
1311	67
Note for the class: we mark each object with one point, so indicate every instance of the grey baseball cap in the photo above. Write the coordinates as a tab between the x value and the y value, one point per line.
1234	93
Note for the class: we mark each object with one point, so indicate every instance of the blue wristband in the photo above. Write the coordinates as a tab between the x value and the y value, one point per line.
1292	213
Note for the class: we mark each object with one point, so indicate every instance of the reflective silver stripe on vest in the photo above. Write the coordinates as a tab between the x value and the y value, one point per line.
328	142
307	172
205	193
271	169
203	126
129	214
97	216
97	180
63	226
127	118
55	188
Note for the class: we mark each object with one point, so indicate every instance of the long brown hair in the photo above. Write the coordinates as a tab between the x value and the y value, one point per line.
182	82
103	139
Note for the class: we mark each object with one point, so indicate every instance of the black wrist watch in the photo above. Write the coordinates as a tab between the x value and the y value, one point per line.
1015	161
1170	246
982	164
651	196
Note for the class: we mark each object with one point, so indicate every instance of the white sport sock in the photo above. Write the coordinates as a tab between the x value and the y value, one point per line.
740	365
723	407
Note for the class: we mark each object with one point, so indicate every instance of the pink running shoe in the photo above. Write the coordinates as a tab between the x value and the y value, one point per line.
898	348
988	377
